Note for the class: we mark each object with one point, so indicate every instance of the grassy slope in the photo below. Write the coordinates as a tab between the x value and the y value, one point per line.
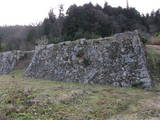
30	99
153	58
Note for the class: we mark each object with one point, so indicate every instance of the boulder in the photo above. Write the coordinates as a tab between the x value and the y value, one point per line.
118	61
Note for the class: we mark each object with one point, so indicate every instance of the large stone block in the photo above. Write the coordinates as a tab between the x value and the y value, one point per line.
9	60
118	60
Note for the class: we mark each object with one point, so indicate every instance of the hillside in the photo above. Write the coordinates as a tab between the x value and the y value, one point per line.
31	99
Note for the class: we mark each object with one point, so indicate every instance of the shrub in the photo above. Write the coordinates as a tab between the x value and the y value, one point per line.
157	34
79	35
55	40
143	39
80	53
86	35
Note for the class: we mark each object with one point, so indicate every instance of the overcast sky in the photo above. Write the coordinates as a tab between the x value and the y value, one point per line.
24	12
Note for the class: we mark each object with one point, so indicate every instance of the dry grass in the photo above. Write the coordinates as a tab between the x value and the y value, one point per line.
33	99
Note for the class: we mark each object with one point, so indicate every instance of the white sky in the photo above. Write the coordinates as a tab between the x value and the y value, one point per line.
24	12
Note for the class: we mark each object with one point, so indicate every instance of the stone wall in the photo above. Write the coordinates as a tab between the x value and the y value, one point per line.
118	61
10	59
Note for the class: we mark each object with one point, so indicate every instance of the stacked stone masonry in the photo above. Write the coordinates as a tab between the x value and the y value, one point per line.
118	61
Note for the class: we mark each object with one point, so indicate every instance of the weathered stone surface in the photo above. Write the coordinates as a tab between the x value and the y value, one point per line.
118	60
8	60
